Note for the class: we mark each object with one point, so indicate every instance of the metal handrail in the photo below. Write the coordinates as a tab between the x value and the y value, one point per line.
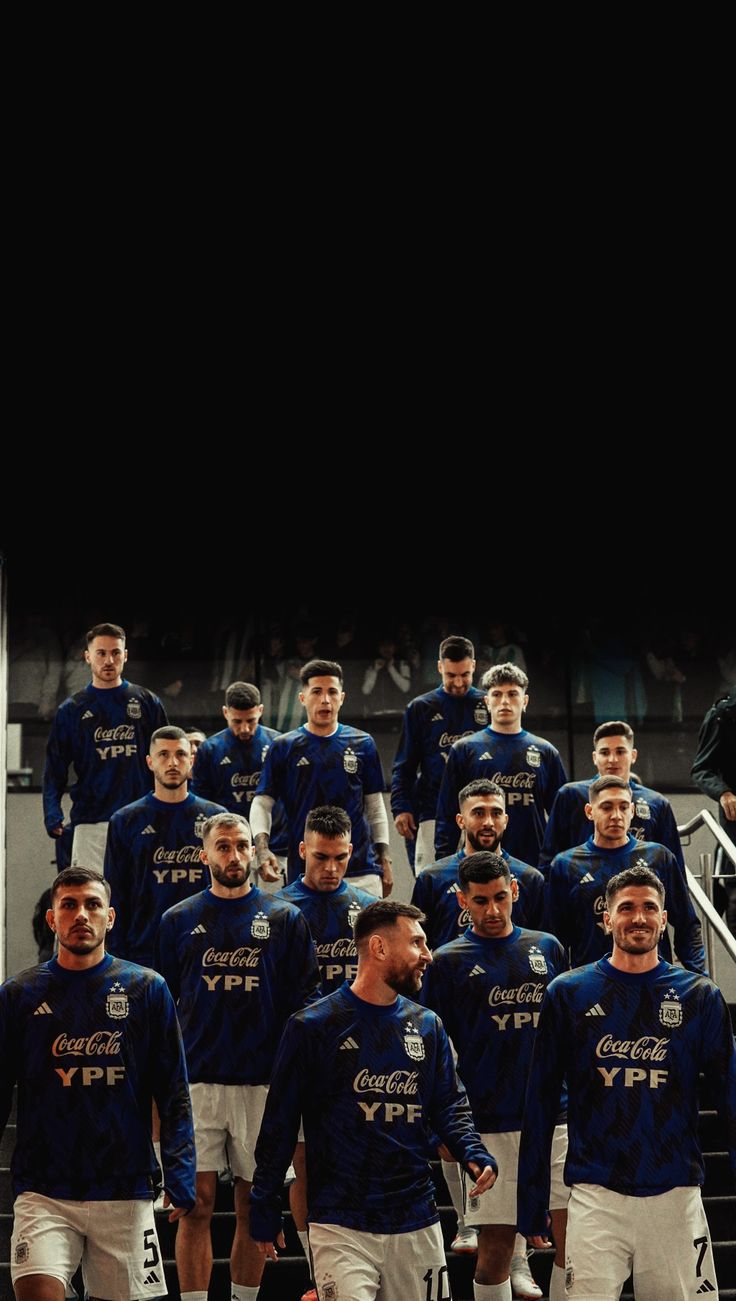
706	819
715	924
711	916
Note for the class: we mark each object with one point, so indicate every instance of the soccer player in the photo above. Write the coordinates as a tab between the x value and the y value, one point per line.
577	882
153	852
326	762
104	732
90	1041
238	962
330	905
370	1071
483	819
229	764
488	986
630	1034
527	767
614	754
195	737
432	723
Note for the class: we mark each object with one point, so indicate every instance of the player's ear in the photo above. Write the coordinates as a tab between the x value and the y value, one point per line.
664	920
148	762
50	919
459	820
589	812
607	922
302	850
110	918
514	889
203	857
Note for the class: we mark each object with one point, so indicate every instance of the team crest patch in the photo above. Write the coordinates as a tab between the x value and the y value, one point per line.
260	927
533	757
474	1203
537	961
329	1291
569	1277
413	1043
264	752
642	810
641	862
350	761
353	912
670	1011
22	1253
199	825
480	715
134	709
116	1005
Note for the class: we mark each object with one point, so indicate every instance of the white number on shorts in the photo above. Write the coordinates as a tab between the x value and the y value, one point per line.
429	1279
150	1244
703	1244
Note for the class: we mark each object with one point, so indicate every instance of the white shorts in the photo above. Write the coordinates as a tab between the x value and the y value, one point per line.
88	845
350	1265
370	882
498	1205
663	1240
227	1118
424	852
115	1242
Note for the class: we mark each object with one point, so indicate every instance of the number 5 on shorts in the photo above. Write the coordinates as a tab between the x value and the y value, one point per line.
150	1245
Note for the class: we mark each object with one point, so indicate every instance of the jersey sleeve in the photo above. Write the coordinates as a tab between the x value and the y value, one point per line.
56	770
707	766
665	832
446	834
171	1091
719	1066
405	767
534	900
306	983
554	778
683	918
558	834
556	919
202	783
116	870
542	1105
271	780
166	956
449	1112
374	782
279	1130
8	1055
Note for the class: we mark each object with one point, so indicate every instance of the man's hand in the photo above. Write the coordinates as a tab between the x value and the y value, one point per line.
268	1249
728	804
484	1179
266	864
177	1212
56	831
405	825
387	882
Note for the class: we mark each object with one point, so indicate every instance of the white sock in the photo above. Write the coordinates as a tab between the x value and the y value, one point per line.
557	1284
520	1246
194	1296
157	1150
451	1171
239	1292
303	1236
493	1291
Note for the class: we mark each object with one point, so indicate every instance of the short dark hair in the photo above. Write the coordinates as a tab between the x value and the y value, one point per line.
500	673
242	695
613	729
167	733
456	648
385	912
482	867
78	876
328	820
106	630
641	876
602	784
320	669
226	820
192	731
480	786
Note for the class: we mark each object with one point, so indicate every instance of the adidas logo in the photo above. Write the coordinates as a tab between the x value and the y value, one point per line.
224	761
477	971
706	1286
43	1009
454	888
595	1010
198	930
585	879
151	1278
484	755
303	763
348	1043
437	718
148	831
87	714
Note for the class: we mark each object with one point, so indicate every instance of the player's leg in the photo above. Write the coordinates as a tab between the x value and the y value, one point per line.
247	1262
599	1247
559	1197
465	1241
245	1105
424	854
122	1255
46	1247
348	1263
494	1216
493	1268
414	1267
193	1239
88	845
673	1256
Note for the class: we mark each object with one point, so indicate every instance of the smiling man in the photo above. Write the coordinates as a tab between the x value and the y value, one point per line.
370	1071
629	1034
578	878
91	1041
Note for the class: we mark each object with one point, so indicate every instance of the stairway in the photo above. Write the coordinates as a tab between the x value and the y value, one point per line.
286	1279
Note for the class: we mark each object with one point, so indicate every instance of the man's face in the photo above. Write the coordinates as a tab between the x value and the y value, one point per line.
613	757
636	919
322	698
195	739
243	722
506	703
457	675
106	657
611	813
81	917
408	956
325	860
228	852
484	819
170	762
489	904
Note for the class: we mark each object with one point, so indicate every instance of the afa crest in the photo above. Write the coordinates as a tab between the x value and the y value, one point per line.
260	927
199	826
116	1005
642	810
353	912
537	961
330	1291
350	761
413	1043
134	709
533	756
670	1011
480	714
